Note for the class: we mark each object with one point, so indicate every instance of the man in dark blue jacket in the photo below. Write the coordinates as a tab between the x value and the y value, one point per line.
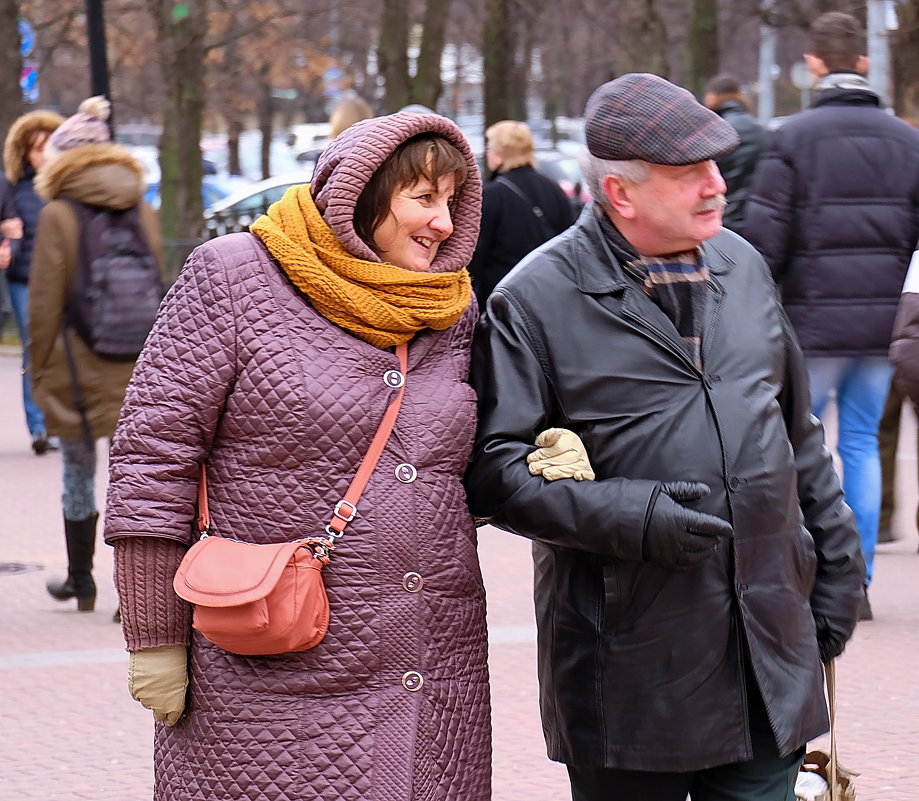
834	210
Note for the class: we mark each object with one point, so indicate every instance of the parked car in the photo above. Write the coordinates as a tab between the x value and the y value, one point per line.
239	209
566	172
213	189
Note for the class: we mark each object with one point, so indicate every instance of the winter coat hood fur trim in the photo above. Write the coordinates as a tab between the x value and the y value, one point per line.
14	148
55	173
347	164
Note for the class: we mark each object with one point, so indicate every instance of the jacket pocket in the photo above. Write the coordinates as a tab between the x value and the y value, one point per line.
613	596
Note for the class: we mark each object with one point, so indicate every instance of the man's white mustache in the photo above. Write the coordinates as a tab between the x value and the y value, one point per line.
717	203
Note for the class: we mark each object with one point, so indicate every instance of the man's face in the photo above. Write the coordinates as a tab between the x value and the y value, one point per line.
675	209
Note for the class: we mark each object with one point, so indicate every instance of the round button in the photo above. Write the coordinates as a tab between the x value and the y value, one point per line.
393	379
412	680
734	482
412	582
406	473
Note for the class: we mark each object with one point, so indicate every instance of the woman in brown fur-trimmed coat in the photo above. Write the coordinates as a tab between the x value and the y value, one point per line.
82	164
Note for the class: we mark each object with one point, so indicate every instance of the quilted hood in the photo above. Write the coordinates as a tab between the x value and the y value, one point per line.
99	175
347	164
14	148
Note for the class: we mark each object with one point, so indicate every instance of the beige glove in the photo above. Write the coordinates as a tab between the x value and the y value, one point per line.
561	454
158	679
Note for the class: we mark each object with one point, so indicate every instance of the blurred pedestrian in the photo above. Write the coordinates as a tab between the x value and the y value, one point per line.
834	209
723	96
888	444
686	597
521	209
23	155
79	392
348	111
272	363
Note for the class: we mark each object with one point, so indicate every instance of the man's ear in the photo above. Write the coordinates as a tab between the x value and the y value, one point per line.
815	65
617	193
861	65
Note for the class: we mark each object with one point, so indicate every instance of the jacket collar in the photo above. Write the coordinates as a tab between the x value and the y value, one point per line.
598	269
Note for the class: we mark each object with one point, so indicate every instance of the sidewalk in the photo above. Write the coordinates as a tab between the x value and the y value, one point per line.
69	730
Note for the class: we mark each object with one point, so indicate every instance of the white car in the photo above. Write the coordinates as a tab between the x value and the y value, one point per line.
238	210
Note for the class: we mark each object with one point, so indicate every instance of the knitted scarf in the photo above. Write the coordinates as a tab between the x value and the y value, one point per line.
379	303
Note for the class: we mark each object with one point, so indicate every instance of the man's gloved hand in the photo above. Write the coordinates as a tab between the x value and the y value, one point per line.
679	537
561	454
829	643
158	679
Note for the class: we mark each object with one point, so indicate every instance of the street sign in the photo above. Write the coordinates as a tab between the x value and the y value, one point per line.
26	38
28	80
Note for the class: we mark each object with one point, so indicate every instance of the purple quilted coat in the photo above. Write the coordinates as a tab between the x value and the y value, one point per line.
242	373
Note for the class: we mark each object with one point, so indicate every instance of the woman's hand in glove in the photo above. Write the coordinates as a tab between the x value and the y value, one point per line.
158	679
561	454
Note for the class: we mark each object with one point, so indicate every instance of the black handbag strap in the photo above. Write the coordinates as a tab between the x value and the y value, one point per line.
538	213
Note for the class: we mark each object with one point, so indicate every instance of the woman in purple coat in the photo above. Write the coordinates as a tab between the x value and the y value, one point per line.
267	365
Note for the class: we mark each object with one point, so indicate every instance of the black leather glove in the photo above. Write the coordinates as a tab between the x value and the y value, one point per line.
830	643
678	537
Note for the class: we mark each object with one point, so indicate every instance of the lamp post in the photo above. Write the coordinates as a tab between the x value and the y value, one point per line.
98	59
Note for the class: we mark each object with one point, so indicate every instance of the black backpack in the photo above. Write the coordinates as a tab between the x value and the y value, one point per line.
117	287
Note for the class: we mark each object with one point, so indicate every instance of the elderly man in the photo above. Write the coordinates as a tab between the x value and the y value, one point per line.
686	597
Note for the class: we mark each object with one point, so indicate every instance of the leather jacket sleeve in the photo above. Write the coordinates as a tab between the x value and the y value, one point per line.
516	402
904	349
840	567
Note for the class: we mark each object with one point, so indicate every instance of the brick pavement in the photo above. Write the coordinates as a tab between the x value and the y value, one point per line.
68	728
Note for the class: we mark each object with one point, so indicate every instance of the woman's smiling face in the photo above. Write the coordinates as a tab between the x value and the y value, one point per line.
418	221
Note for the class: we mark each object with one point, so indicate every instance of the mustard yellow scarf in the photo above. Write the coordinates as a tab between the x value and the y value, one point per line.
382	304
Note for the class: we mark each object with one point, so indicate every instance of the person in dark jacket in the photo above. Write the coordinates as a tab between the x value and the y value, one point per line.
723	96
23	155
521	209
834	210
686	597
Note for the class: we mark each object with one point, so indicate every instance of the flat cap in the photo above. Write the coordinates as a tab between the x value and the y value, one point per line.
642	116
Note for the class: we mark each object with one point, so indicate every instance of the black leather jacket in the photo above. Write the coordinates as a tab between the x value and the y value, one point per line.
641	667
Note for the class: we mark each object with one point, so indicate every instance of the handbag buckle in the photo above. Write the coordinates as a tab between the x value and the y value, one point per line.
347	517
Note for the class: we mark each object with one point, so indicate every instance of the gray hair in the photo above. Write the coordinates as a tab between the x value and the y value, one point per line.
594	170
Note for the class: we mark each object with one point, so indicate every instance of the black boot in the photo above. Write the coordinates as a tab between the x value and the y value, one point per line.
81	545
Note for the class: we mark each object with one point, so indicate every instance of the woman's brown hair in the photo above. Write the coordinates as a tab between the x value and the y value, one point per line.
426	156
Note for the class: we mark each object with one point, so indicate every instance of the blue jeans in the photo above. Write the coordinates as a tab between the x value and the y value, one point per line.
861	385
19	300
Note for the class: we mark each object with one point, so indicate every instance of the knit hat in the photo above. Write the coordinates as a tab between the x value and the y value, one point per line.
87	127
642	116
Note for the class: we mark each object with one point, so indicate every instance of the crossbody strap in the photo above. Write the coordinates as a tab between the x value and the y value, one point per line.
346	509
538	213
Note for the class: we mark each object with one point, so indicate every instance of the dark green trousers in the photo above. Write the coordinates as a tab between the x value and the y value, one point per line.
888	439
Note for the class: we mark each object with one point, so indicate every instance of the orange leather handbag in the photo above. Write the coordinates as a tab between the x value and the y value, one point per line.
270	599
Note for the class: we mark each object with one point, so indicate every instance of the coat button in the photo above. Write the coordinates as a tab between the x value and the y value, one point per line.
734	483
412	680
406	473
412	582
393	379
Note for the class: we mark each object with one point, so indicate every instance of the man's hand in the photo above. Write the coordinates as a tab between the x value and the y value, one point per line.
158	679
830	643
678	537
6	254
561	454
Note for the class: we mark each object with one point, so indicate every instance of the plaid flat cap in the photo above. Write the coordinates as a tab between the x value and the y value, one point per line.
642	116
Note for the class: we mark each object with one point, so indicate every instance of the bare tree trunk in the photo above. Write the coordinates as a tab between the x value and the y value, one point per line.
427	86
642	39
180	43
265	123
905	58
704	57
498	47
392	55
10	65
